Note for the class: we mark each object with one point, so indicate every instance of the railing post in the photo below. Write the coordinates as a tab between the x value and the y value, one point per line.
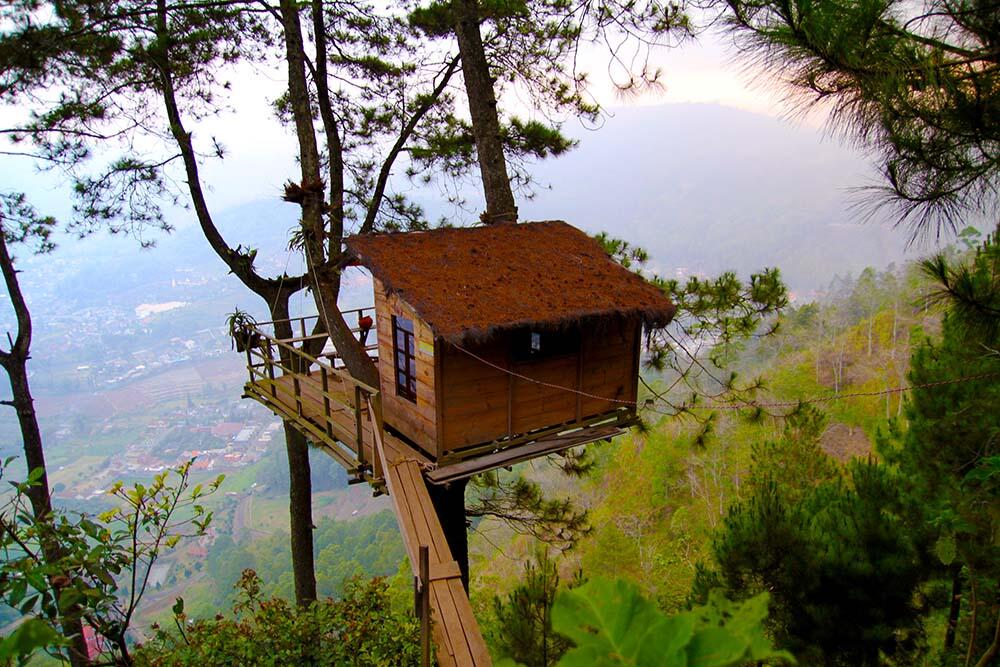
375	415
425	606
359	426
269	363
298	394
326	401
249	361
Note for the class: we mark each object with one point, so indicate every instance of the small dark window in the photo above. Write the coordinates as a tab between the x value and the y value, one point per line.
404	346
531	345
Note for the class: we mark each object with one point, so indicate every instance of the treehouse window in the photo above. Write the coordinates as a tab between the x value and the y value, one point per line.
404	346
532	345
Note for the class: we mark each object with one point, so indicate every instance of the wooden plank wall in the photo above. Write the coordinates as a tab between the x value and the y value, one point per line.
476	398
418	422
610	367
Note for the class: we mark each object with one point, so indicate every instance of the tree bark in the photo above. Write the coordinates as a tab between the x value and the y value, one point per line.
300	516
954	609
500	206
974	619
15	362
449	504
274	292
315	234
300	520
994	648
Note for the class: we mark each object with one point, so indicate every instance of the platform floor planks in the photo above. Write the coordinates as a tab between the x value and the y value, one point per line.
457	637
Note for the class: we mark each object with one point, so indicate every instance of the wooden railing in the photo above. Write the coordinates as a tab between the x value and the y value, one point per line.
302	328
326	403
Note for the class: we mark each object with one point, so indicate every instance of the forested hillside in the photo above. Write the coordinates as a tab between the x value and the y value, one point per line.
680	512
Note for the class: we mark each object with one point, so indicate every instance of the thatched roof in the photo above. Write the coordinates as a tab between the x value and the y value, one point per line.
472	282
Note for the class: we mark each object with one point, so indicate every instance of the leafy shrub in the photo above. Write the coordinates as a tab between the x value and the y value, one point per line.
358	629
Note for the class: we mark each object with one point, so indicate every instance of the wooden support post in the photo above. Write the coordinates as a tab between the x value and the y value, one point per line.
510	397
449	504
326	401
425	606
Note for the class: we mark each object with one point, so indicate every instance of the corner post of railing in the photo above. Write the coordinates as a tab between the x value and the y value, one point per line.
359	425
269	364
375	408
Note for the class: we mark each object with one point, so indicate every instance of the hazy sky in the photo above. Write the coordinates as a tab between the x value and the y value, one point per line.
260	154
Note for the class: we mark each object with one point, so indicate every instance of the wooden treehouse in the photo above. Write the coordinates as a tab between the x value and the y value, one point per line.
494	345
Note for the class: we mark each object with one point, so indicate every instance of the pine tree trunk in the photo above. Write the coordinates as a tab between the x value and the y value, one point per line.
274	292
327	281
500	206
300	522
994	648
300	516
954	609
15	362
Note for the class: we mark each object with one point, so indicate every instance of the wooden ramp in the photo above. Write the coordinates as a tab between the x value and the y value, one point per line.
455	630
343	417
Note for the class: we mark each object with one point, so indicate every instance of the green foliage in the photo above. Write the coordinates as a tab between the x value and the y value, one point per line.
725	310
611	623
358	629
947	455
837	557
795	461
919	84
521	504
714	320
103	564
970	288
30	636
366	546
21	223
524	618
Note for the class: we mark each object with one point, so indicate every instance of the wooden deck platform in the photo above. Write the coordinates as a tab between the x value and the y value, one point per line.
332	419
343	417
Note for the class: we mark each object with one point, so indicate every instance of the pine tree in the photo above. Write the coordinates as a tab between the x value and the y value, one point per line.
948	455
833	550
524	617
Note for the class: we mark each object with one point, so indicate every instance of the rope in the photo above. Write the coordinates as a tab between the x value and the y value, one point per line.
745	404
281	281
319	292
542	383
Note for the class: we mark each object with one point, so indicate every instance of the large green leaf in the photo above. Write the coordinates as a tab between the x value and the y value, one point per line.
612	624
30	636
713	647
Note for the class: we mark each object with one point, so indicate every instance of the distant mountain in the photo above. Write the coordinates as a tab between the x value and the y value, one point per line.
703	187
712	188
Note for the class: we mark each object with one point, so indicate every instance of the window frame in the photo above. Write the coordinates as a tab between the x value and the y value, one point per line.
404	362
535	345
